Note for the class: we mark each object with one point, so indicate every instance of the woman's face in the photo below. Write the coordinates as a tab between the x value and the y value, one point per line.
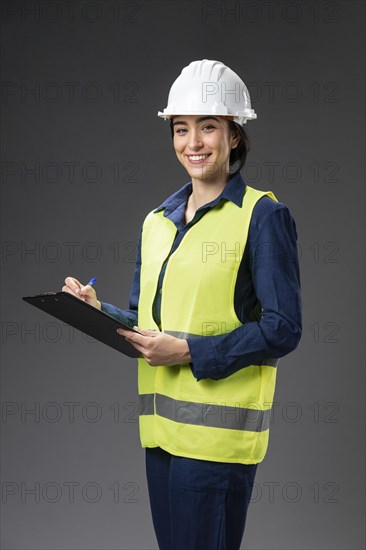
202	145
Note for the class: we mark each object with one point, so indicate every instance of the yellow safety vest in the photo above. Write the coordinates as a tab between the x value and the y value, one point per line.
225	420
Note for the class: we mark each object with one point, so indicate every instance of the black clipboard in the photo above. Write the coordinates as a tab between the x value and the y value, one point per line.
84	317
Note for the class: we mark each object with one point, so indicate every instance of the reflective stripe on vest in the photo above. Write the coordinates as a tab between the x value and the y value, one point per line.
223	420
206	414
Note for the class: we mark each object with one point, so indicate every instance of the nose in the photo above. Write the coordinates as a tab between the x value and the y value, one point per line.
195	141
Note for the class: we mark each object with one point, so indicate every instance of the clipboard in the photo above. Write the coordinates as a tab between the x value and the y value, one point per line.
84	317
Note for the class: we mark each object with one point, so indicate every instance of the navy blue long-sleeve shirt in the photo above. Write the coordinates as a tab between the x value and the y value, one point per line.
267	296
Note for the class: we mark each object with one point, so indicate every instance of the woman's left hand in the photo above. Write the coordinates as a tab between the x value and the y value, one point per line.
158	348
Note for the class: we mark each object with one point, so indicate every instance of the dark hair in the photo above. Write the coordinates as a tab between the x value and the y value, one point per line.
239	154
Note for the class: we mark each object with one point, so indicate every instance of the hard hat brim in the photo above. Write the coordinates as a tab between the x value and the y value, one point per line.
240	118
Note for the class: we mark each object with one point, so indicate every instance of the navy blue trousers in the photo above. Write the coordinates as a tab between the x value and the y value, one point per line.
198	504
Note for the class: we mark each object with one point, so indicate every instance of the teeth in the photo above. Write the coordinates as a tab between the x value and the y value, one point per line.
197	157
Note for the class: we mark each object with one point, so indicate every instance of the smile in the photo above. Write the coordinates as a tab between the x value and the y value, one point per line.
197	159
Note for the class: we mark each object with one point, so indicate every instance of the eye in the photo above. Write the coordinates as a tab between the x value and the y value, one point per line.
179	130
208	126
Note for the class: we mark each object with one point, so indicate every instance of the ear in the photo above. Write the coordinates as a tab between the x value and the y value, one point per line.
234	140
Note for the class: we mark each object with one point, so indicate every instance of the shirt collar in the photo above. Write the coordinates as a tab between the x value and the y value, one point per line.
233	191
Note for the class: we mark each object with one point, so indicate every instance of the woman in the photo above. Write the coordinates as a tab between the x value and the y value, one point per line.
215	302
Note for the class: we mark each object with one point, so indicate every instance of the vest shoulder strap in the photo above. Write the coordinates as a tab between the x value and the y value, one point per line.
253	195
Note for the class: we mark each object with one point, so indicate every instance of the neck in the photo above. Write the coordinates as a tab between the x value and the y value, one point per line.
203	192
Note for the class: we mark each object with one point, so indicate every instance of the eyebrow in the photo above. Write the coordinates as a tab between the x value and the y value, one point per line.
199	119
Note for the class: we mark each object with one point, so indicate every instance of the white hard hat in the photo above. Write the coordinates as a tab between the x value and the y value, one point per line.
208	87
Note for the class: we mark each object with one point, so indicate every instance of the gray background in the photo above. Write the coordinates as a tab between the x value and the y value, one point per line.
304	65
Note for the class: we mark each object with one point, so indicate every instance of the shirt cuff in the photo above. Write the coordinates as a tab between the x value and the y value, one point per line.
203	358
125	317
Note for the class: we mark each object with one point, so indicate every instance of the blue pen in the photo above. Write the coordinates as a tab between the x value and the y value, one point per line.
92	281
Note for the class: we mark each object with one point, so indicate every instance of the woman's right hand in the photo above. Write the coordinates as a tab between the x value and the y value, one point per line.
85	293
